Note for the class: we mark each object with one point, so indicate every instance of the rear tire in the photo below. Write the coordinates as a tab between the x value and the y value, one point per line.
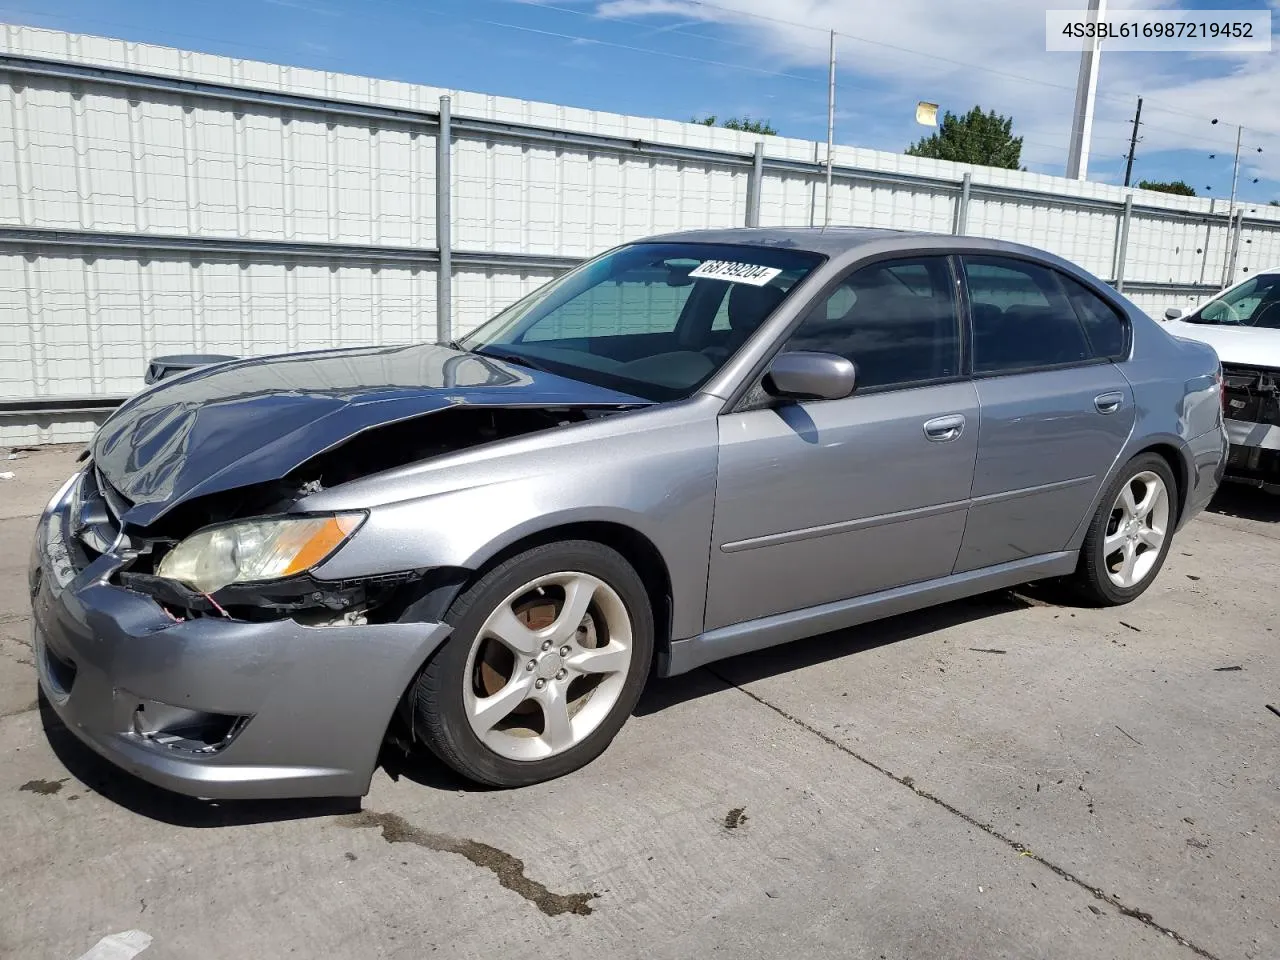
1129	535
549	653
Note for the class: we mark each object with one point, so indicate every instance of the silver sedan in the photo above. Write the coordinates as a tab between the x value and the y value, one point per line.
687	448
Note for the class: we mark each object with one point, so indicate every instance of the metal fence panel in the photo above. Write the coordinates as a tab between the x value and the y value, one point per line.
155	201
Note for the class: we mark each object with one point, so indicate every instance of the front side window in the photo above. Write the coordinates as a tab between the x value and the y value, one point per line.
1252	304
1022	317
655	320
897	320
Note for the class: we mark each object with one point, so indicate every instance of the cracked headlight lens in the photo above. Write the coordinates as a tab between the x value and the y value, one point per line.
254	550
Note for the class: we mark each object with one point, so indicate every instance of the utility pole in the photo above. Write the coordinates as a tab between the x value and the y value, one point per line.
1086	93
831	124
1235	173
1233	228
1133	143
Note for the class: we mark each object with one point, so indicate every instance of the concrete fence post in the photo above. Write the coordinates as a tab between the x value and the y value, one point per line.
962	206
1122	243
444	222
754	185
1235	249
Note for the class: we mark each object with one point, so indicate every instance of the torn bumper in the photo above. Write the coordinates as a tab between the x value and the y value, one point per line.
1255	454
212	707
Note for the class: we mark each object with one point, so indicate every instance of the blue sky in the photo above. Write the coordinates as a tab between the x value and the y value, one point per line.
677	58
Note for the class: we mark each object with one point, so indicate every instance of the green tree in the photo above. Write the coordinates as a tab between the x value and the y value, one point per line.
1179	187
745	124
979	137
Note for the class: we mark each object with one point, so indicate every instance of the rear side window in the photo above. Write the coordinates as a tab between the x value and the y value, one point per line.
1022	317
896	320
1103	326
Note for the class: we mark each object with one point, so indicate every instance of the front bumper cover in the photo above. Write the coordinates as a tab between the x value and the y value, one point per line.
307	707
1255	454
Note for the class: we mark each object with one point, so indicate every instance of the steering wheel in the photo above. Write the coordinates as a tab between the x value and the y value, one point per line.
1235	314
1271	308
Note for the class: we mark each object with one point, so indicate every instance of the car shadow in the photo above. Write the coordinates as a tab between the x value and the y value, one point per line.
1246	503
421	767
144	799
836	645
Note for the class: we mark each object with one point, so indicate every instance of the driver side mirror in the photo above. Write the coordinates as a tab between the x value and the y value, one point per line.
1173	313
805	375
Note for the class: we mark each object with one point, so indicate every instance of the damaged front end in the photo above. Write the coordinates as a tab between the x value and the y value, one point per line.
103	510
1251	406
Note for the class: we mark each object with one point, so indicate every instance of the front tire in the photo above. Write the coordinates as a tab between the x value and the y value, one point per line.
1130	534
548	656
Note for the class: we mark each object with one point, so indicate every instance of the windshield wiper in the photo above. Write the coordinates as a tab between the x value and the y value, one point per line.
510	357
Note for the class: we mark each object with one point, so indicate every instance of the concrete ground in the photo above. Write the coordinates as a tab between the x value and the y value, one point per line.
993	778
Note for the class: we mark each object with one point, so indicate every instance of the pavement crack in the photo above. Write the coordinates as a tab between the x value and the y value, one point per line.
1141	916
508	869
19	711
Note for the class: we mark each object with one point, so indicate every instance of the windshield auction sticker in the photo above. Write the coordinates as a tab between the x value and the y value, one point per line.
1235	31
751	273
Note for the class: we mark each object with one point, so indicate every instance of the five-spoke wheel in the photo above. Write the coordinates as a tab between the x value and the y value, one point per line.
549	653
1129	535
1137	529
548	665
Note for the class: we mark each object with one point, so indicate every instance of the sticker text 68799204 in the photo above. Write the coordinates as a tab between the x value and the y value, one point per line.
751	273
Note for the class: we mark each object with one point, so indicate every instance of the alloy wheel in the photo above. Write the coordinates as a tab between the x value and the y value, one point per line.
548	665
1136	530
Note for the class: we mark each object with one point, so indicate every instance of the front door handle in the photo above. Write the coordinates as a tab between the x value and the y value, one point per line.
1108	402
942	429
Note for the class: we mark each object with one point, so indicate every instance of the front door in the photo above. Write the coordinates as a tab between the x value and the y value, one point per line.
1056	411
828	500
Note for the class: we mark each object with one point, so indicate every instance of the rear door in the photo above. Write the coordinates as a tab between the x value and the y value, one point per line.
1055	409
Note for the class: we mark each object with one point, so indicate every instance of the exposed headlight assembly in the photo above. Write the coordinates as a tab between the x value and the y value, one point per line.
255	550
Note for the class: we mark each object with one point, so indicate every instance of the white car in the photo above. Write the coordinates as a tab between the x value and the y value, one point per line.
1243	325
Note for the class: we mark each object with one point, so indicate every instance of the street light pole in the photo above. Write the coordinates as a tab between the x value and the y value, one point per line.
1235	172
831	124
1086	93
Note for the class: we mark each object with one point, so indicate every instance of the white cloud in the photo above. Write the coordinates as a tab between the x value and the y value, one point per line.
993	53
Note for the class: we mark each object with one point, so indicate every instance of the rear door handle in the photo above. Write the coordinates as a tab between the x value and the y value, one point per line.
942	429
1108	402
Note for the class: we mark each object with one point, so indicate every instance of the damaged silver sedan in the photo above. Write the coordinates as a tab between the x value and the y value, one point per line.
688	448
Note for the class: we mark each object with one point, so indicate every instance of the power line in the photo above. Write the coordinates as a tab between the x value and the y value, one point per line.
1115	95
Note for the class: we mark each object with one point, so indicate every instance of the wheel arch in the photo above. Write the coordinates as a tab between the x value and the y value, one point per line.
635	547
1179	465
438	588
1173	450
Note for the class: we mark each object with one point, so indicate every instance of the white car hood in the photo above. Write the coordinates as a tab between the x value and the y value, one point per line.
1246	346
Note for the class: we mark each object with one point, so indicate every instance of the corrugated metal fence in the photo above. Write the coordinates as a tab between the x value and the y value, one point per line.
157	201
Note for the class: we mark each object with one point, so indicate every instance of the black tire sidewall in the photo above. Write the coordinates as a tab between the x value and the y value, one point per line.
439	708
1094	570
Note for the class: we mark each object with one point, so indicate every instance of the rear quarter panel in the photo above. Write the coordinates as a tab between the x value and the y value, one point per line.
1177	405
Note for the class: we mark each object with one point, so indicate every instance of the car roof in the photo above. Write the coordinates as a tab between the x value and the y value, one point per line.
833	241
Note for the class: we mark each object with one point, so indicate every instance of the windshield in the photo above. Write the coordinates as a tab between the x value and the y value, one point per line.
1252	304
655	320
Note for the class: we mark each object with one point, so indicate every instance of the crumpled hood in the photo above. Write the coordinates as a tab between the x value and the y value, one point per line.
255	420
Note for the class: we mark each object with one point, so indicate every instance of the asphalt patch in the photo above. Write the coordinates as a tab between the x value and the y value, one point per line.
508	869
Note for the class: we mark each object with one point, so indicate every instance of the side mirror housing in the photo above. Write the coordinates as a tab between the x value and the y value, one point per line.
1173	313
804	375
